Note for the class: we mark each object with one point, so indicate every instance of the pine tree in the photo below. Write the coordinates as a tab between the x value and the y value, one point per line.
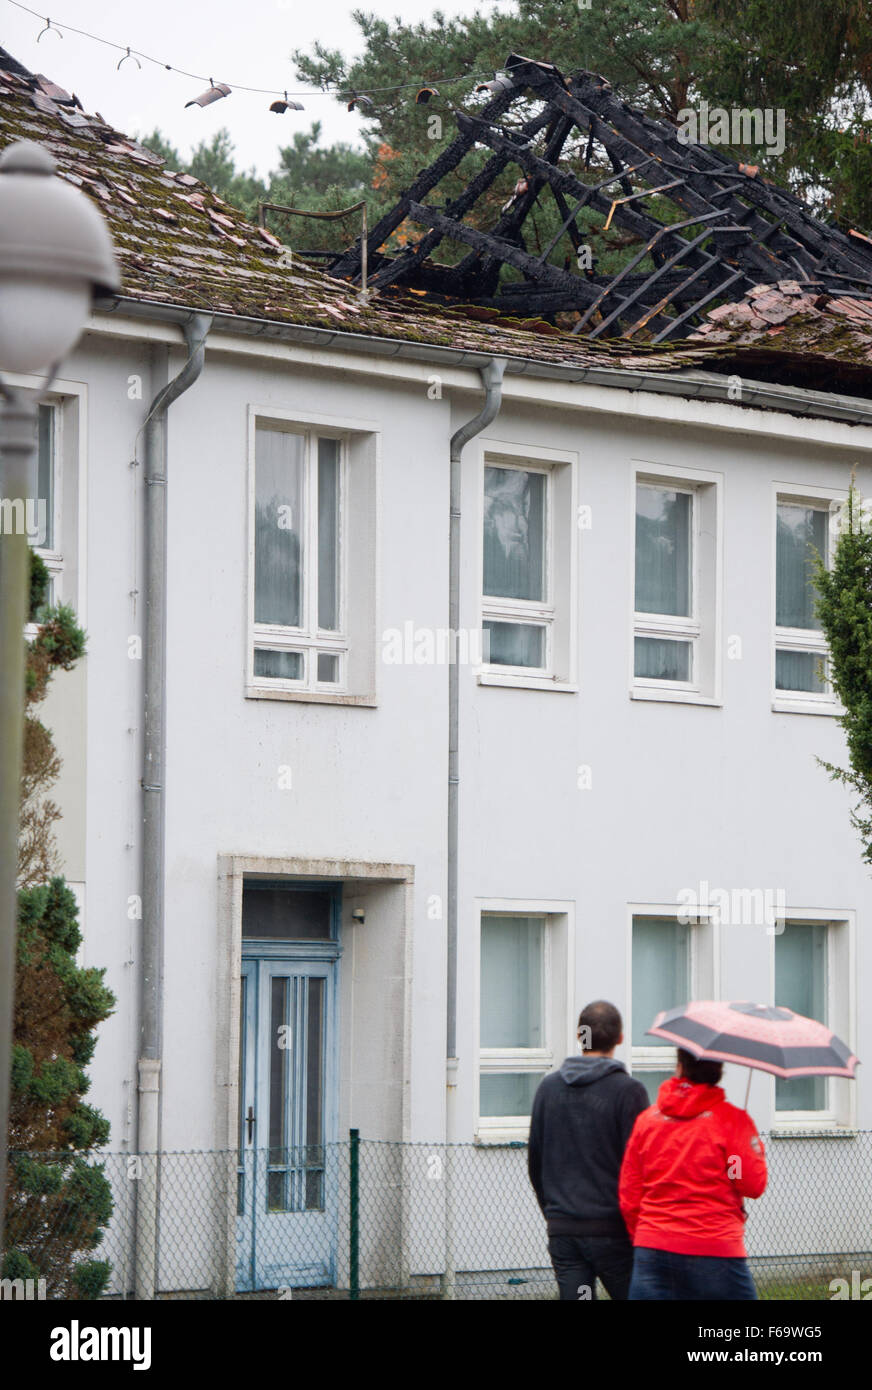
812	61
57	1201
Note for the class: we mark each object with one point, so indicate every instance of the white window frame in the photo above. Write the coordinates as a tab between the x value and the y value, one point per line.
704	980
67	560
828	500
702	628
557	612
52	556
839	1116
360	484
558	966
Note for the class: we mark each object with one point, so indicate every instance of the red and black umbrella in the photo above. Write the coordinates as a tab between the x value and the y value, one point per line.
765	1037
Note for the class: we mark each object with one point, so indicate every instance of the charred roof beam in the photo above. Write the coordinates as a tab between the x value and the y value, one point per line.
407	262
488	244
427	179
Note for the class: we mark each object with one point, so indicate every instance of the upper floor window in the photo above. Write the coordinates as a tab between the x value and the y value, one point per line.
528	567
666	622
518	611
298	631
802	530
677	560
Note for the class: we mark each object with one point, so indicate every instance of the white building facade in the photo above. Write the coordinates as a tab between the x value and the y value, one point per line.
641	814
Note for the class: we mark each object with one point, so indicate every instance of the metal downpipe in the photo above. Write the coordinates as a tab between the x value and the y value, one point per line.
153	803
492	380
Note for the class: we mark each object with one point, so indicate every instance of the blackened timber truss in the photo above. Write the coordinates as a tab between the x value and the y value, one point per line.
733	230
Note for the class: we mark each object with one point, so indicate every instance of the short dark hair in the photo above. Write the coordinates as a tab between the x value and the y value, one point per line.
605	1024
698	1070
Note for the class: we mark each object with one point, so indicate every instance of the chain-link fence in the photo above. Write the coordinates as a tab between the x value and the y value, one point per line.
369	1219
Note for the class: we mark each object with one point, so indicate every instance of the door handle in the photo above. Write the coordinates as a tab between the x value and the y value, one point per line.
249	1120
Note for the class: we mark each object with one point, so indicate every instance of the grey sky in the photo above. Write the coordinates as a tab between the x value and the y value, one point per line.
249	43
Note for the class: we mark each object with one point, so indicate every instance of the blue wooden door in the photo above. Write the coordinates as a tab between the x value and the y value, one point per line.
287	1201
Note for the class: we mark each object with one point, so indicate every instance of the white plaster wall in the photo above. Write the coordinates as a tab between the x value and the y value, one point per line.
680	793
368	784
101	718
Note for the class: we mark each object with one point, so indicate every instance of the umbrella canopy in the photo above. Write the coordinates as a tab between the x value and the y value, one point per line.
767	1037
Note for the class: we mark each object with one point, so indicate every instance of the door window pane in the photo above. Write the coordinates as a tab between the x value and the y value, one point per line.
799	671
662	659
514	644
328	535
801	985
283	914
512	982
278	527
280	1041
800	531
315	1063
661	972
663	551
314	1187
240	1080
514	534
508	1093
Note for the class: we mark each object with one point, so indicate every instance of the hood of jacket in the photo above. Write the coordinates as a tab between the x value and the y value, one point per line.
685	1099
584	1071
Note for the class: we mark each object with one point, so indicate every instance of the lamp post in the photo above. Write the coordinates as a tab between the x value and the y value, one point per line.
55	255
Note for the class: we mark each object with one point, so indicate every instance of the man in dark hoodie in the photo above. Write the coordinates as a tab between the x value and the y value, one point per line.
582	1118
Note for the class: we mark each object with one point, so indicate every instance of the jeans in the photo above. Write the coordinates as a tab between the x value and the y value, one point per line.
663	1274
577	1261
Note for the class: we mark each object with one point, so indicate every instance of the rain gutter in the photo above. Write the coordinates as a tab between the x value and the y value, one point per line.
691	384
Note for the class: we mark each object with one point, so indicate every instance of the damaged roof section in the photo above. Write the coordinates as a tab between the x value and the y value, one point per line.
703	228
821	340
180	246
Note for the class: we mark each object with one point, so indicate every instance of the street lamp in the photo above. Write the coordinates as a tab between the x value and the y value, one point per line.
55	255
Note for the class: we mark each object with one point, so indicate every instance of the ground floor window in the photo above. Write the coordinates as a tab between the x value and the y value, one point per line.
672	962
524	1006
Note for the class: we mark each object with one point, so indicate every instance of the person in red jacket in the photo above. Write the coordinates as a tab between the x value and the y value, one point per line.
690	1161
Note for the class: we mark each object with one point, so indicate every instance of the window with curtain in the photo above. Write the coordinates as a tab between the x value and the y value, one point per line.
666	623
801	984
298	634
515	1048
45	519
662	978
802	531
518	612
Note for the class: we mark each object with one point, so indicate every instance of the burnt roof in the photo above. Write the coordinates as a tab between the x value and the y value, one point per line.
181	245
704	228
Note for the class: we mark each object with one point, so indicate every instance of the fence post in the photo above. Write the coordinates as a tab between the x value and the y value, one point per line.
449	1277
354	1214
